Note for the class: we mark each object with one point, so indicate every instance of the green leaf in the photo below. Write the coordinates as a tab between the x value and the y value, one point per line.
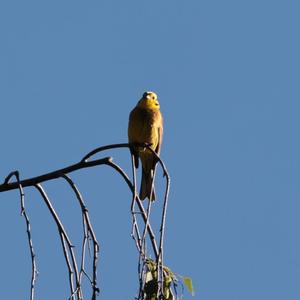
189	284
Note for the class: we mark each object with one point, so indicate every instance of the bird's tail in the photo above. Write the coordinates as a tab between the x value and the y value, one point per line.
147	187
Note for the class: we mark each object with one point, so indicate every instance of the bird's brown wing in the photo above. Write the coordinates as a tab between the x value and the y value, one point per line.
160	129
133	119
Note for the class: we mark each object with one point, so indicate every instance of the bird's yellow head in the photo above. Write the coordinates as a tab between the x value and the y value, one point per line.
149	100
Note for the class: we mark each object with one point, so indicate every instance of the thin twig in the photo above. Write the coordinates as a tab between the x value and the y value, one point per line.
69	265
90	232
159	260
135	233
83	248
135	228
163	223
159	257
34	271
103	148
148	212
138	201
162	227
63	234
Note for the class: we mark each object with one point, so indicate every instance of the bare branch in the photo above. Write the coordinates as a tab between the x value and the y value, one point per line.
88	232
34	271
103	148
65	239
139	235
135	233
52	175
140	205
159	260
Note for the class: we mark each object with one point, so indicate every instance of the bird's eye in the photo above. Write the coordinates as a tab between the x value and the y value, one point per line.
153	97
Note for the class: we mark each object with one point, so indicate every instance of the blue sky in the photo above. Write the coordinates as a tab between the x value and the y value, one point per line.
227	76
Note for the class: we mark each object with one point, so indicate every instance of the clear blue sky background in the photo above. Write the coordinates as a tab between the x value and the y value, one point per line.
227	75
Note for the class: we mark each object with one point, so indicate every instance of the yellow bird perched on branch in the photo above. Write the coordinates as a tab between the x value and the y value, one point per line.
146	126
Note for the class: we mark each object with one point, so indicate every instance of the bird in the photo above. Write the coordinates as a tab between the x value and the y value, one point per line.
145	126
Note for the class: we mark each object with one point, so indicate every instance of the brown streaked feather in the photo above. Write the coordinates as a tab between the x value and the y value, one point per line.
160	135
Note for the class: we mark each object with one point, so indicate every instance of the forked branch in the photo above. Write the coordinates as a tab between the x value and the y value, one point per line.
141	226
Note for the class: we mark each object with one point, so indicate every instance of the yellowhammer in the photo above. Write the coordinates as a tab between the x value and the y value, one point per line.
146	126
